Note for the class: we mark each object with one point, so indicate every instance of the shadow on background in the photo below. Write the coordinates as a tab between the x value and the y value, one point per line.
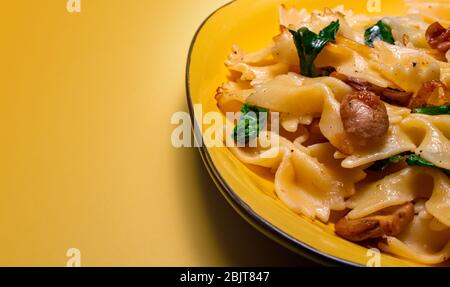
241	243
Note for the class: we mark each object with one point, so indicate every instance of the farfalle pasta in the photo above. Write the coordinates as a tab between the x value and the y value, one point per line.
364	116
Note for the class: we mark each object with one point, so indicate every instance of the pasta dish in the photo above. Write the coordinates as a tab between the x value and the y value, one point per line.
364	123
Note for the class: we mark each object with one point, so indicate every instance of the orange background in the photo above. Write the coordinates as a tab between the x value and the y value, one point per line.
85	154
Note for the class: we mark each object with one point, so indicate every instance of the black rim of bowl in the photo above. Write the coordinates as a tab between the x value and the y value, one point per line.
237	203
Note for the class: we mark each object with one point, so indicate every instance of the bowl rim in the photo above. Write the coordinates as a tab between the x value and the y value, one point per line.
241	207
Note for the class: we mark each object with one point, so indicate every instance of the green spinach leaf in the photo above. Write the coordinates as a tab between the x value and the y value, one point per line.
410	158
379	31
251	122
384	163
414	159
309	45
441	110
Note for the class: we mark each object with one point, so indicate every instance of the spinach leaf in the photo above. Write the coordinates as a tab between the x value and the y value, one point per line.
309	45
379	31
330	31
410	158
414	159
252	120
384	163
441	110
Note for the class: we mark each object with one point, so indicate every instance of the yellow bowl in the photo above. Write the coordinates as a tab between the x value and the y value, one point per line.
252	24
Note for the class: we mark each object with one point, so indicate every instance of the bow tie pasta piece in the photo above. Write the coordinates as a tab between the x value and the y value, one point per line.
437	11
352	25
288	93
291	122
284	49
352	59
404	186
432	142
425	135
292	16
307	187
231	100
257	75
258	58
419	242
265	155
408	30
255	67
439	203
324	153
395	142
396	114
311	182
406	68
331	124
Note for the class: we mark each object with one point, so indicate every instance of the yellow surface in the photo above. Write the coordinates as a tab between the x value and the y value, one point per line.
85	154
254	189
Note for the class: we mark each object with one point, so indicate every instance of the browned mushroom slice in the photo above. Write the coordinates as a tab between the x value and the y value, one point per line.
432	93
364	117
390	221
387	94
392	96
438	37
356	83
